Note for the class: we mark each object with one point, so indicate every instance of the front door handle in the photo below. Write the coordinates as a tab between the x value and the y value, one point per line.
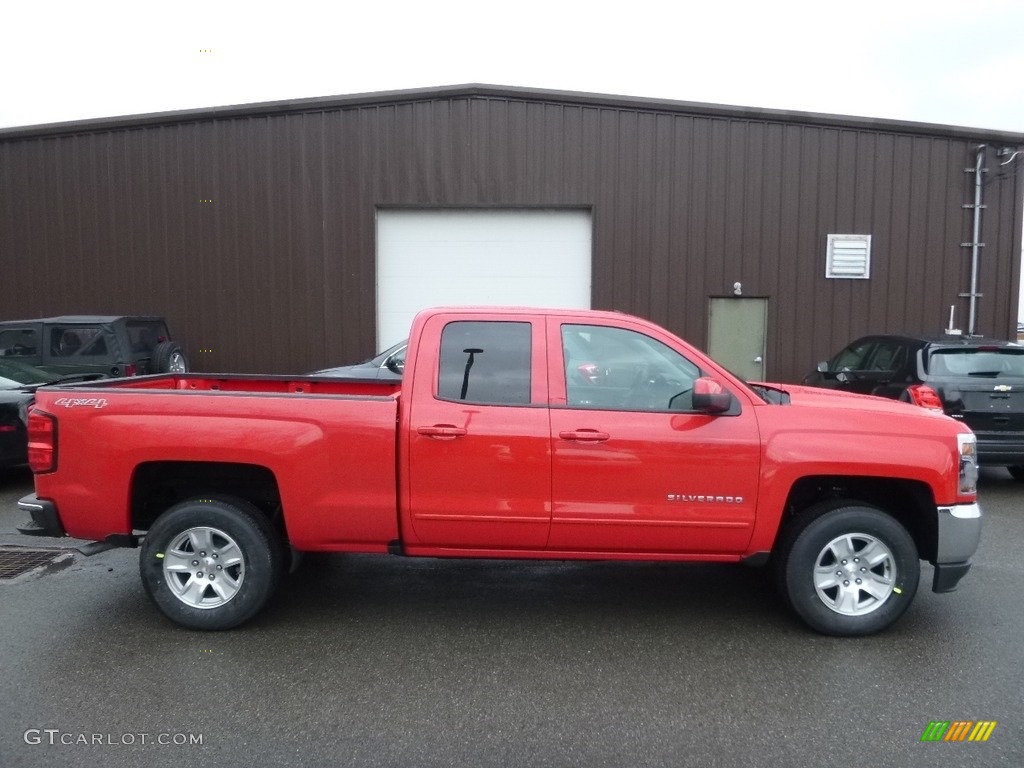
584	435
442	431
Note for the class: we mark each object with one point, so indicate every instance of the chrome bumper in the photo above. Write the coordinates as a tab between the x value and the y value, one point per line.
958	537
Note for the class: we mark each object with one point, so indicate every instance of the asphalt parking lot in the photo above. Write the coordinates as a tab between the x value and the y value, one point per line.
384	661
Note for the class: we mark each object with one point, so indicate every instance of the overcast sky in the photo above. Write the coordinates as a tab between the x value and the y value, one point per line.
957	63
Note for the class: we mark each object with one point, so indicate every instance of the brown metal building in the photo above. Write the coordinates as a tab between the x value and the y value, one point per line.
254	229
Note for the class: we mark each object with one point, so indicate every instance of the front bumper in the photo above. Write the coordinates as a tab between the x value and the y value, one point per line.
959	532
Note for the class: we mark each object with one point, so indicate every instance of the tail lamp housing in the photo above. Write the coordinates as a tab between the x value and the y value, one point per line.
925	397
42	441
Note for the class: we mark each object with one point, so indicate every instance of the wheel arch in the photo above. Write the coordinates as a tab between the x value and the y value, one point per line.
159	485
910	502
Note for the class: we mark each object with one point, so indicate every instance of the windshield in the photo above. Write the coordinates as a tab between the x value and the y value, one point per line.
977	361
16	375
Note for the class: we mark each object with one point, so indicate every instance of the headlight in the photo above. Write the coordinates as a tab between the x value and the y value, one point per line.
968	446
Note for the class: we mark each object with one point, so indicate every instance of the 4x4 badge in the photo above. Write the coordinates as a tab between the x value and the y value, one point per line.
1003	388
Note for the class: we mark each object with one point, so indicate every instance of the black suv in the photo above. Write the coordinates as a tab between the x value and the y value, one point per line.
975	380
93	344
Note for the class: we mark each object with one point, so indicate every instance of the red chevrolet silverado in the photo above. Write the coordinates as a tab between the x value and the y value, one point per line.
514	433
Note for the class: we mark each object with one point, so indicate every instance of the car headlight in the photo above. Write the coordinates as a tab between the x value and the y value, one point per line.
968	446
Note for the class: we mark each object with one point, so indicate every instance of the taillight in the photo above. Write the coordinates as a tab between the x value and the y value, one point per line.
130	370
42	441
925	396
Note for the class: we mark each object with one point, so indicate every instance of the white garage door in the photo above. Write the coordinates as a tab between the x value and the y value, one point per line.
530	258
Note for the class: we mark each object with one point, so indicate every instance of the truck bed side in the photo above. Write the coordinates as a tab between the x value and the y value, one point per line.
331	457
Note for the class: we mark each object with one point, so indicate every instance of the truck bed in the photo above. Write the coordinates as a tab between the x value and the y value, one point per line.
328	445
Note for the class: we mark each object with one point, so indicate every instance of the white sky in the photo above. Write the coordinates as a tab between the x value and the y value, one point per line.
957	63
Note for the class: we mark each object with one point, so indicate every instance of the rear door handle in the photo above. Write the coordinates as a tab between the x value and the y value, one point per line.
442	431
584	435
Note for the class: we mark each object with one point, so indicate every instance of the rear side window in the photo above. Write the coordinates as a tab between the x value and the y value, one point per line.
888	356
980	362
486	363
19	342
852	358
78	340
144	335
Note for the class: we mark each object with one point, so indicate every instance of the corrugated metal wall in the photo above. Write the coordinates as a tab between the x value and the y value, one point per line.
253	232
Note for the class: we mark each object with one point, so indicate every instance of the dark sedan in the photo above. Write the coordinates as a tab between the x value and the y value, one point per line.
387	366
18	384
975	380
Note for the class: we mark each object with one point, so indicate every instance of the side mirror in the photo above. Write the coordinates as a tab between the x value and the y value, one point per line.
710	397
395	365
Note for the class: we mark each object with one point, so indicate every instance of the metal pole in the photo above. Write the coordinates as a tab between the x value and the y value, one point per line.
975	240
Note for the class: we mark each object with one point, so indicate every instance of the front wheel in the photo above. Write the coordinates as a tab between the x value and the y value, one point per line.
848	570
211	563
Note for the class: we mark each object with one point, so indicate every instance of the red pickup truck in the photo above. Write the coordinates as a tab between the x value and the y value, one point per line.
514	433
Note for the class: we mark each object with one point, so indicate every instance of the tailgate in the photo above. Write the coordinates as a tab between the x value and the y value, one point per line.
993	407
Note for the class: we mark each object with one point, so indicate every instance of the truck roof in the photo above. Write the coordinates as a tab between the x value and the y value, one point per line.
518	310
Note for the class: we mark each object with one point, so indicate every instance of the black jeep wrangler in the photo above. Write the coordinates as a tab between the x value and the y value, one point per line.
93	344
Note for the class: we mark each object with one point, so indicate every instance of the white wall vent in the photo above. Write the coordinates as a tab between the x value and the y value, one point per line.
848	256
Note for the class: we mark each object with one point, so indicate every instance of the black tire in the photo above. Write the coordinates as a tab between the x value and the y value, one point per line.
169	357
1017	472
866	597
197	542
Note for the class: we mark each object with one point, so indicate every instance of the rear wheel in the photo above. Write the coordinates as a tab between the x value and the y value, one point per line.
1017	472
847	569
211	563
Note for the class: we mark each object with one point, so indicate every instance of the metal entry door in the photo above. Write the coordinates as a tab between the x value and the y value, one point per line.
736	335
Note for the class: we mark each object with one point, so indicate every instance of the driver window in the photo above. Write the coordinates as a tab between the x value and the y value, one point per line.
20	342
624	370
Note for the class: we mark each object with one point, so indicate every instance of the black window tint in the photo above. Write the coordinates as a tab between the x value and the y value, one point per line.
624	370
888	356
144	335
96	347
19	342
851	358
68	342
485	362
980	363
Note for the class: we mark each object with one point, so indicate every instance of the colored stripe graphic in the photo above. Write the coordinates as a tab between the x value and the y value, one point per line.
959	730
982	730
